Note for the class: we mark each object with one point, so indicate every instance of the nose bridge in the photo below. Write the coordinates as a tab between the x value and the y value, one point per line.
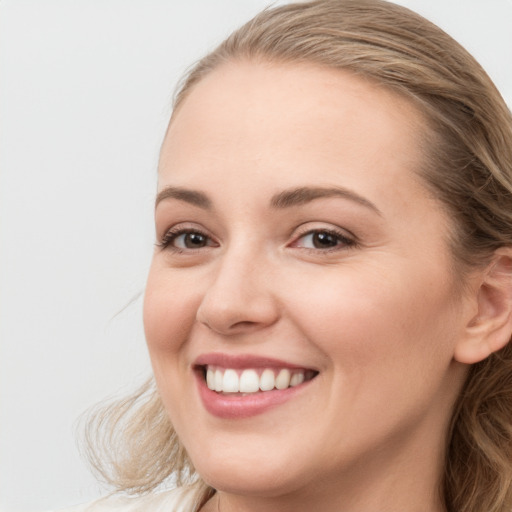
239	295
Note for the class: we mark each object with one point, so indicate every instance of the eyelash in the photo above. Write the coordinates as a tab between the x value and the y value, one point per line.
345	242
172	235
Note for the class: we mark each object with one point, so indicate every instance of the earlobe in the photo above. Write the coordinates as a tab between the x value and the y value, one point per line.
489	330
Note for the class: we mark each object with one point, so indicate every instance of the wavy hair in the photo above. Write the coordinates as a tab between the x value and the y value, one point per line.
468	166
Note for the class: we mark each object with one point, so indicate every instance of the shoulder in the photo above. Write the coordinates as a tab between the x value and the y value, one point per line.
181	499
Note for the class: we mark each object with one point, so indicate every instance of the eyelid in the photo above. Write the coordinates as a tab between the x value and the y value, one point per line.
347	238
172	233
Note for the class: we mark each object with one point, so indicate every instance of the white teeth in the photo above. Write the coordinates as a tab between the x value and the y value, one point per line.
210	378
251	381
218	380
267	380
283	379
296	379
230	382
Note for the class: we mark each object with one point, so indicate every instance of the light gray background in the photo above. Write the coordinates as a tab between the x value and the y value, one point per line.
84	100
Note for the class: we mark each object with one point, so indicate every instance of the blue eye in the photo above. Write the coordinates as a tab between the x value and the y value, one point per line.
323	239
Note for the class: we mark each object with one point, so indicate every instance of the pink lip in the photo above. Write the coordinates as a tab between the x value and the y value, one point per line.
242	361
242	406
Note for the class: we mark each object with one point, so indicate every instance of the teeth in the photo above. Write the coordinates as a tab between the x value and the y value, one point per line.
251	381
218	380
283	379
267	380
296	379
230	382
210	379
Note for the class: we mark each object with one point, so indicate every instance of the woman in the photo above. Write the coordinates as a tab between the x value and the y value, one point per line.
329	306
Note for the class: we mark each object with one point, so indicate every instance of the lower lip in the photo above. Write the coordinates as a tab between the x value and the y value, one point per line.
244	406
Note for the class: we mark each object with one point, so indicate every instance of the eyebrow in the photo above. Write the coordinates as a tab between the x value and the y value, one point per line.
184	194
285	199
302	195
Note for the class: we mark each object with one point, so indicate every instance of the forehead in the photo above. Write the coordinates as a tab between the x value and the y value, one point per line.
285	82
270	117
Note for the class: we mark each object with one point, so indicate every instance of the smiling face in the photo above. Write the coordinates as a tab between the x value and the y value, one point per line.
302	261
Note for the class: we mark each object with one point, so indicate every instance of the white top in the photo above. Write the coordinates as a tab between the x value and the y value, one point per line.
182	499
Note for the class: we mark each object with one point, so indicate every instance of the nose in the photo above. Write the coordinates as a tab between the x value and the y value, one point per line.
239	298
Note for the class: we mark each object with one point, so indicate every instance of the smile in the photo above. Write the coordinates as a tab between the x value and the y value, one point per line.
236	387
254	380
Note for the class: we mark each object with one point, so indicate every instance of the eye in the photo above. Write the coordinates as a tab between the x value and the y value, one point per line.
191	240
323	239
183	239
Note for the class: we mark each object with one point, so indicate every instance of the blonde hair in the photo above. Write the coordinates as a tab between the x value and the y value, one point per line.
468	166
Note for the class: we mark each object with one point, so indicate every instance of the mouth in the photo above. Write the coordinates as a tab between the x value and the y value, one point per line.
253	380
234	387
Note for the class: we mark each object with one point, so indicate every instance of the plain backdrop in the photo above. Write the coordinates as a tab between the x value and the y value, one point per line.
85	97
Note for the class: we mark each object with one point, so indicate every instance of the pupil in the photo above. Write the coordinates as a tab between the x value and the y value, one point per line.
324	239
194	240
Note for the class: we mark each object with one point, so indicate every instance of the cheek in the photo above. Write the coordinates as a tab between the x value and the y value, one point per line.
388	343
168	314
377	319
168	318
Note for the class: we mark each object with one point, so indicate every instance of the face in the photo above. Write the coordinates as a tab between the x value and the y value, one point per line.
303	273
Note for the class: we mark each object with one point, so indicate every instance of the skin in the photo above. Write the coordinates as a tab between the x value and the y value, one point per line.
379	317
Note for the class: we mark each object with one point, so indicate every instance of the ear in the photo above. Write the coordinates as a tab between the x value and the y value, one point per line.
490	328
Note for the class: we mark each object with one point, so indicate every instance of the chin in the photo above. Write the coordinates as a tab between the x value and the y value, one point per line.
261	482
251	474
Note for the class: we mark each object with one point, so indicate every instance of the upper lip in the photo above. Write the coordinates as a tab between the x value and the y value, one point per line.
241	361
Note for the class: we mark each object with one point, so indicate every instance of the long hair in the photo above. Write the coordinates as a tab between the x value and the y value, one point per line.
468	166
